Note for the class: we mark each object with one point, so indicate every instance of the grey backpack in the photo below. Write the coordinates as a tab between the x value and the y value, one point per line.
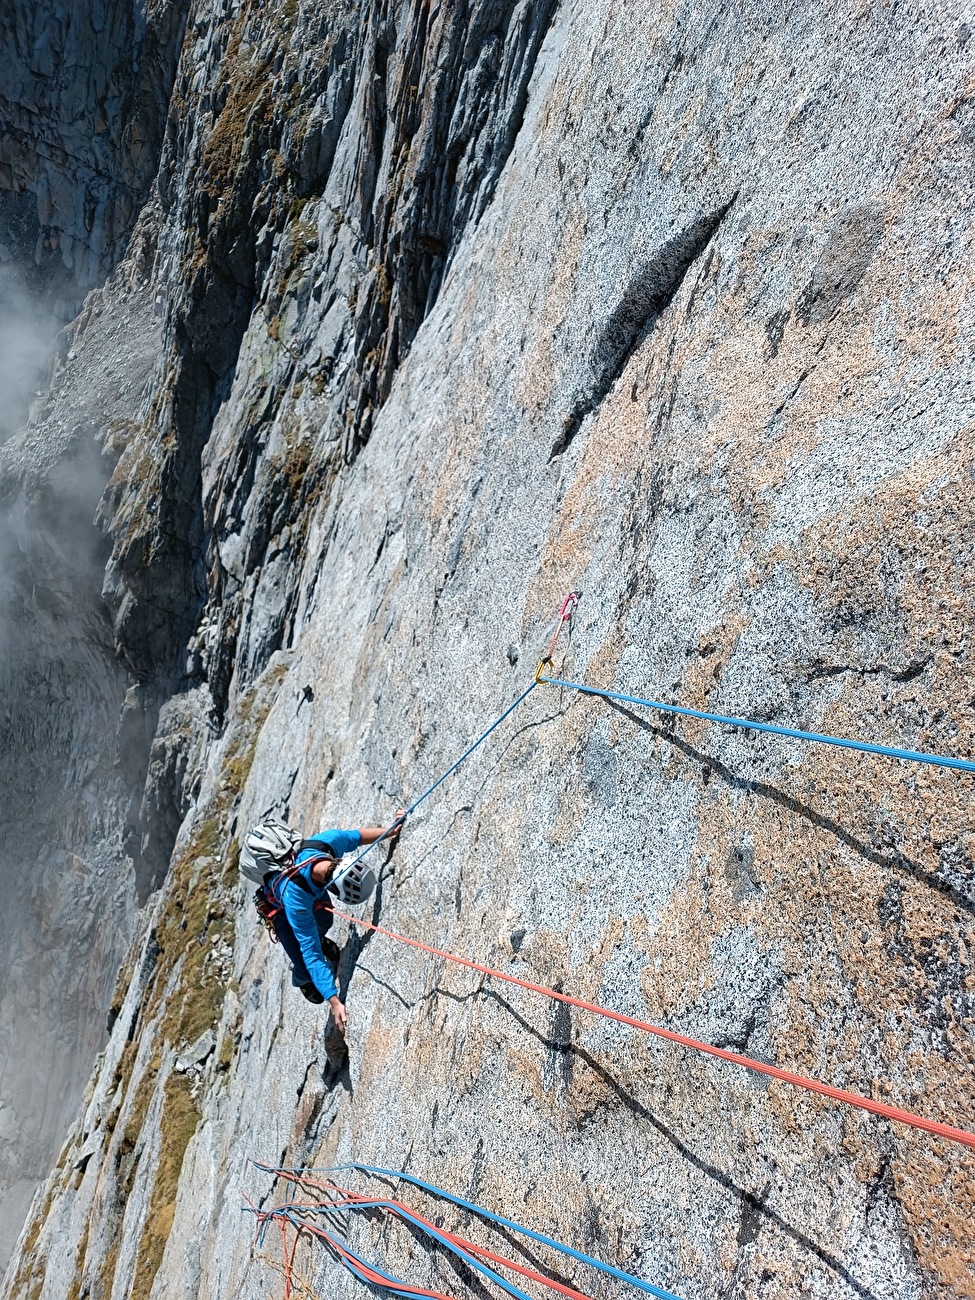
270	846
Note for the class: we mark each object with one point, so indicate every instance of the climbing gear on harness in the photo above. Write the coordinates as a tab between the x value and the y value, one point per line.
269	899
270	846
353	884
267	911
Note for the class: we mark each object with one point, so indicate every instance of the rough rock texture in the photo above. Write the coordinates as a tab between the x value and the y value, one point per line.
461	307
85	89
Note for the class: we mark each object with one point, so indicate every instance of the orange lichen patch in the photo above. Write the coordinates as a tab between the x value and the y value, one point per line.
853	560
850	853
612	447
776	409
772	410
703	673
468	1062
575	726
935	1186
525	1061
381	1053
450	469
569	820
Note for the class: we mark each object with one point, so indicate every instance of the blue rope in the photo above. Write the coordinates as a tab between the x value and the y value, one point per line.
424	1228
440	780
396	1285
509	1223
909	755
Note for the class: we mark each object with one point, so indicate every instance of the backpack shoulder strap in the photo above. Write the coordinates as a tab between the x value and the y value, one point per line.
281	878
321	847
295	871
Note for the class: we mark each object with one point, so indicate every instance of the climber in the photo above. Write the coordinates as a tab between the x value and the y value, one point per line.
295	899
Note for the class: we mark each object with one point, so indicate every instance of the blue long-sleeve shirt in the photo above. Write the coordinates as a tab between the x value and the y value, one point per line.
299	904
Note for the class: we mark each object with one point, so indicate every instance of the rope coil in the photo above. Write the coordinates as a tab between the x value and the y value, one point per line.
301	1176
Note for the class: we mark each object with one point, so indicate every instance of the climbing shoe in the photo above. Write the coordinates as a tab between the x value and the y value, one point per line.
311	993
332	951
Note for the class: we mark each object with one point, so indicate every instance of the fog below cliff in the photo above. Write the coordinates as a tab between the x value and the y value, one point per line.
26	330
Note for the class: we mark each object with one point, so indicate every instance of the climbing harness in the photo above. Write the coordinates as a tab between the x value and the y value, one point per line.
269	897
786	1076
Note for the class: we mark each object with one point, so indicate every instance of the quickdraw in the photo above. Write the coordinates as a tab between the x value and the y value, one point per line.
564	617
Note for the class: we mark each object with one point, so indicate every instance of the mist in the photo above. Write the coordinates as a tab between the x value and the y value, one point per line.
60	696
27	330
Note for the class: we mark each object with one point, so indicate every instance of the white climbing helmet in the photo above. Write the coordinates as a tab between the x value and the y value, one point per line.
354	884
270	846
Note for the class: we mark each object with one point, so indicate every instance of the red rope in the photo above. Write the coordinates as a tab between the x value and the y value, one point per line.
286	1263
786	1076
358	1265
301	1180
370	1274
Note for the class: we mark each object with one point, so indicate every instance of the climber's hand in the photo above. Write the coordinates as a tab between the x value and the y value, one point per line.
394	834
338	1013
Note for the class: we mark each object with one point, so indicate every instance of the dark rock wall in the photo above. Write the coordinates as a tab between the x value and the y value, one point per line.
83	102
82	111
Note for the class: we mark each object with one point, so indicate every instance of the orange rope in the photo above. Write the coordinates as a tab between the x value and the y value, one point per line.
786	1076
357	1265
302	1180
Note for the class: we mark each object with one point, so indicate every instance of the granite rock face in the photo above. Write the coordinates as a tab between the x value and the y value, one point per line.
450	311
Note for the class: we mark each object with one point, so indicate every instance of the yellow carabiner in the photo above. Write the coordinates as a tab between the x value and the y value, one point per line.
541	666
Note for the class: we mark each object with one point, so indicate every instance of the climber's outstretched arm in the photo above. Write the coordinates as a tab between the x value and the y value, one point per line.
370	834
